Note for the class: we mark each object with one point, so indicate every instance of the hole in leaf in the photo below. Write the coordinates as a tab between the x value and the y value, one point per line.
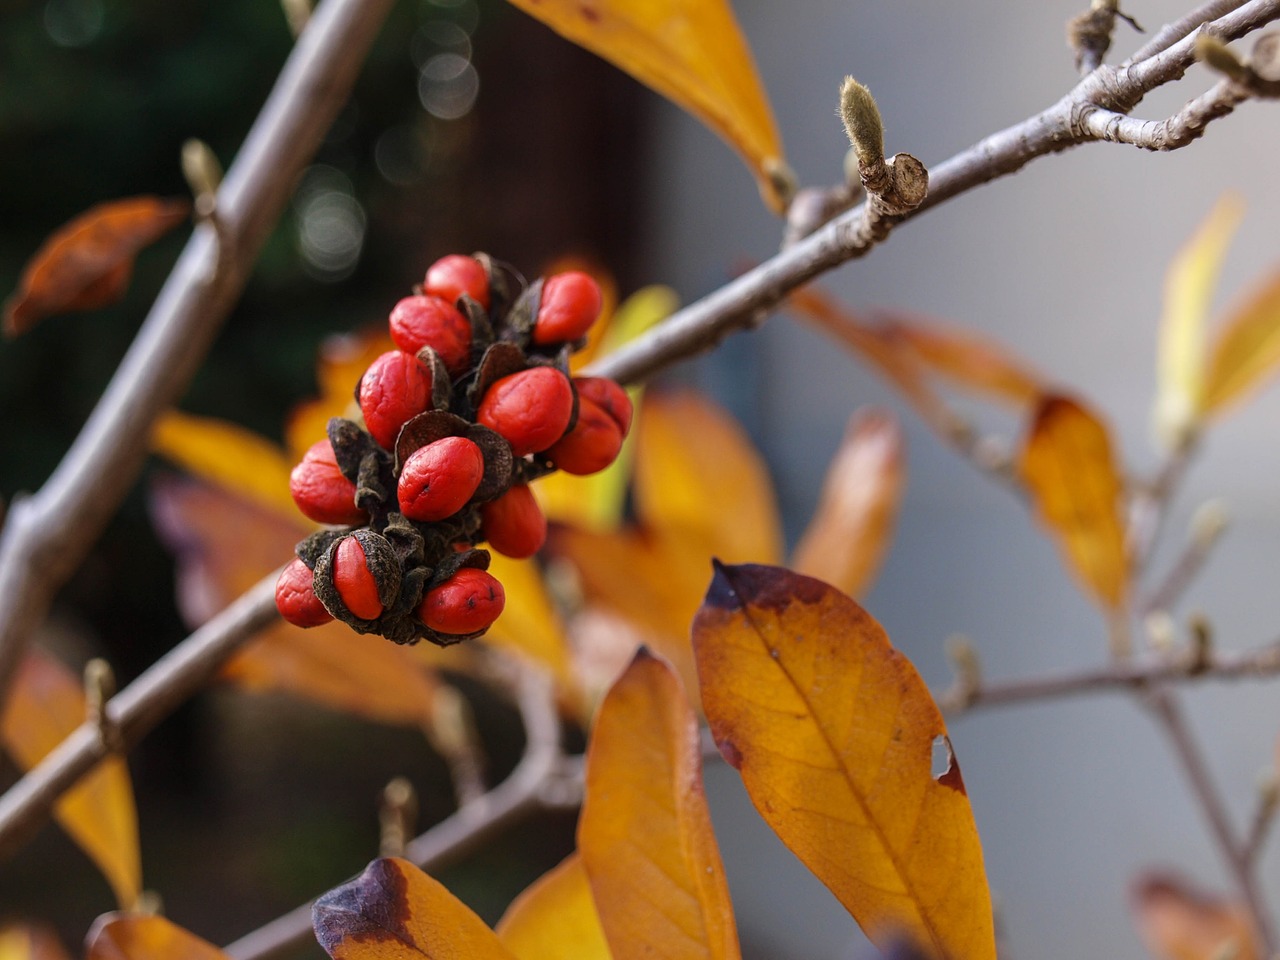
942	757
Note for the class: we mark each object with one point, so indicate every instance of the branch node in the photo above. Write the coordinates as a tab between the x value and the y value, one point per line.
99	688
203	174
1089	33
396	816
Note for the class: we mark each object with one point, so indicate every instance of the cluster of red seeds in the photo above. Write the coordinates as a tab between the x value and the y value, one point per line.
476	403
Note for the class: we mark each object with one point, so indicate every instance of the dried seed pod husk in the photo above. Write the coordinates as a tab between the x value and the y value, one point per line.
500	360
523	314
441	385
427	428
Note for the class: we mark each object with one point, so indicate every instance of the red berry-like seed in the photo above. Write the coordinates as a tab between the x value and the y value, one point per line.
570	304
611	397
429	321
395	388
295	598
437	480
452	276
354	581
320	490
591	445
530	408
467	602
514	524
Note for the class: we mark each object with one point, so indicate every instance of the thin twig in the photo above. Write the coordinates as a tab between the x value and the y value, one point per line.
1164	705
519	795
1171	33
46	535
1177	131
134	711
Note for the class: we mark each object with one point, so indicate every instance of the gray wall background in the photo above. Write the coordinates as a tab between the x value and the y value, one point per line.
1063	263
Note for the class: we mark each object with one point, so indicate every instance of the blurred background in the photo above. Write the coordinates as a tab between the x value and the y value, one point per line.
474	127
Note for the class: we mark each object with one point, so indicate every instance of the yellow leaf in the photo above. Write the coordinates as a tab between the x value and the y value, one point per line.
690	51
1068	467
1247	350
394	911
645	834
136	937
46	705
849	533
834	734
343	361
529	624
235	459
27	941
1178	922
555	918
1188	293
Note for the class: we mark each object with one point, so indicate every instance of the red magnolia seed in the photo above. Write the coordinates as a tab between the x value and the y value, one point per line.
530	408
514	524
430	321
395	388
467	602
437	480
591	445
320	490
295	598
452	276
570	304
354	582
609	396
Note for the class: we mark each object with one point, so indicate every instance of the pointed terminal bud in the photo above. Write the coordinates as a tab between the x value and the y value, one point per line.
1216	55
862	122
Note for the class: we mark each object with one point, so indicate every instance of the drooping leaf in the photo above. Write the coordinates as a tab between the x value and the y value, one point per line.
87	263
1178	922
46	705
234	458
1188	294
849	534
29	941
137	937
690	51
1068	466
394	911
834	734
962	357
1247	350
555	918
645	834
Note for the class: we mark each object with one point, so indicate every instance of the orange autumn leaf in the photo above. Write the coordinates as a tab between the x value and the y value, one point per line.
1067	465
138	937
394	911
1178	922
342	362
690	51
644	833
28	941
46	705
87	263
555	918
1247	349
834	732
849	533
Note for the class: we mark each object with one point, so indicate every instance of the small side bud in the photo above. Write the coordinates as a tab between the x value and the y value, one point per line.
862	122
203	174
397	814
100	687
1201	643
1216	55
296	14
1209	522
964	658
1162	632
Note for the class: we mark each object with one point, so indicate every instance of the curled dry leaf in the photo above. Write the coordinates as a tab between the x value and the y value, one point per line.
87	263
850	532
834	734
394	911
1178	922
645	833
118	936
690	51
1068	467
555	918
1188	294
46	705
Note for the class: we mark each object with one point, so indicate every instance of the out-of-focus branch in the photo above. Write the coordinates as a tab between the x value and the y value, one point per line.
535	784
46	535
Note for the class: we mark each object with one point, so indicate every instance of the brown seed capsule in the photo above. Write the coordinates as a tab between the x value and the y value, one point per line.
296	600
395	388
514	524
452	276
467	602
320	490
592	444
608	395
437	480
430	321
530	408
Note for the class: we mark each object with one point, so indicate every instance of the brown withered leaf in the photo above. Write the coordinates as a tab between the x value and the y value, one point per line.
87	263
848	535
1178	922
394	911
834	734
46	705
123	936
645	834
1069	468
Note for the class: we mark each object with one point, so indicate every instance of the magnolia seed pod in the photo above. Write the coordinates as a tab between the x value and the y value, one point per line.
358	577
467	603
